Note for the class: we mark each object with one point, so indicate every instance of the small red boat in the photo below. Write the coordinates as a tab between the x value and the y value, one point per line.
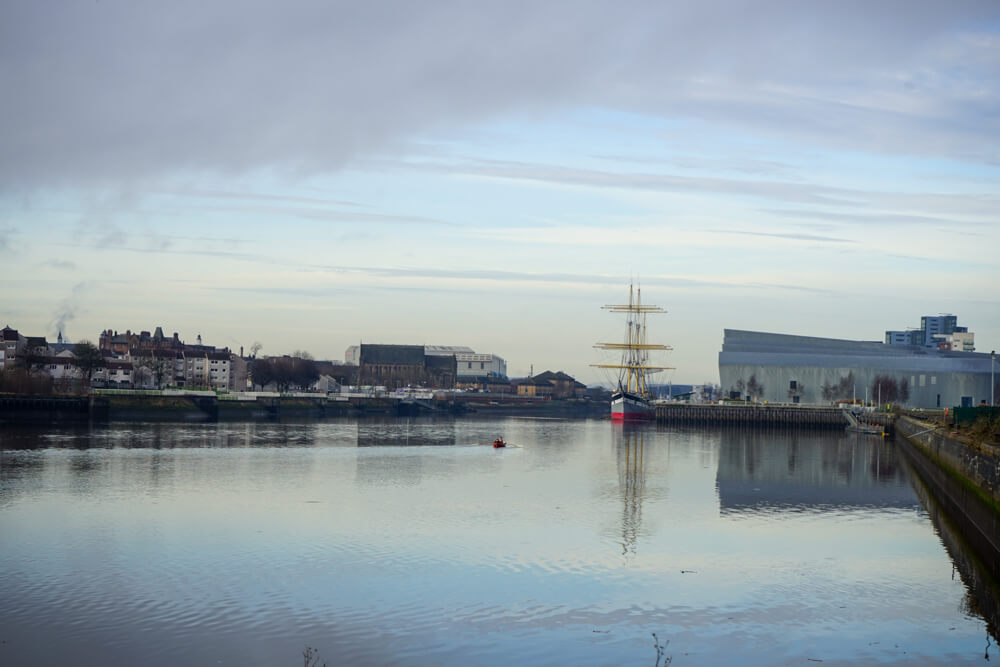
499	442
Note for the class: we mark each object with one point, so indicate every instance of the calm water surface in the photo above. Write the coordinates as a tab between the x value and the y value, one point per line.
416	543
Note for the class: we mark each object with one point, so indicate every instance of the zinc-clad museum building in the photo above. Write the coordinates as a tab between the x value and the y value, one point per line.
802	369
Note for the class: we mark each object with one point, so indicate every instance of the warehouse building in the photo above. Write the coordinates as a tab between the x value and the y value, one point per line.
803	369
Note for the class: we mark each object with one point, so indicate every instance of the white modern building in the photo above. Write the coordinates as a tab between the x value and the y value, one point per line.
935	330
803	369
475	366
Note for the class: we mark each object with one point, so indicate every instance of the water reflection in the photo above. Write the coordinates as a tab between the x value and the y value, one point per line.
630	449
976	564
769	471
401	541
19	472
406	433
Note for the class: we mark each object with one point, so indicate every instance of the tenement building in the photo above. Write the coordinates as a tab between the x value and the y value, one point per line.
802	369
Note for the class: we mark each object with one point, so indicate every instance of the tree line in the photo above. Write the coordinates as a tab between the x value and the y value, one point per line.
298	370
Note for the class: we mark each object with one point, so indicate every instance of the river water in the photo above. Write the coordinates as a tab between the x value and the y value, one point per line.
415	542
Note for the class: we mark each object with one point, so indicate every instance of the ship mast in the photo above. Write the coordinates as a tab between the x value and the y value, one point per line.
634	366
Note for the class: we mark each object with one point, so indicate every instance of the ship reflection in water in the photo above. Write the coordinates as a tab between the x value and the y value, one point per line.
630	447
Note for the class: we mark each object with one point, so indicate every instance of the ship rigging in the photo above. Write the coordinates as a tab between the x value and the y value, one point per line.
632	400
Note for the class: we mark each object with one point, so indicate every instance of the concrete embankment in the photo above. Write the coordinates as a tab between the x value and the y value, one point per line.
978	464
757	414
965	480
195	406
46	409
977	564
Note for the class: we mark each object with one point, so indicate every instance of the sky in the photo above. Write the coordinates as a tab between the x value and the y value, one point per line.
312	175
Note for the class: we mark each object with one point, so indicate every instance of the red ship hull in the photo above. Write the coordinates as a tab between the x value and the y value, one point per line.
626	407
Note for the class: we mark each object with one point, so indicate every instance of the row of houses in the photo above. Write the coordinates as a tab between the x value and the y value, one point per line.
145	360
140	360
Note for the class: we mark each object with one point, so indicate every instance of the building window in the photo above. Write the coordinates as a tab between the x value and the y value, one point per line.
923	380
934	379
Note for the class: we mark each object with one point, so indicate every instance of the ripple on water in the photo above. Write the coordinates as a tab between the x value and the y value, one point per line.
560	553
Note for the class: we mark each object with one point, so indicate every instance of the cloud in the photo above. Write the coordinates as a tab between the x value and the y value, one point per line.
686	162
961	205
464	279
113	92
641	180
347	217
209	193
778	235
63	264
875	217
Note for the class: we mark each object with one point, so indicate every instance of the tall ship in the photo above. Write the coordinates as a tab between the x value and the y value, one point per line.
631	401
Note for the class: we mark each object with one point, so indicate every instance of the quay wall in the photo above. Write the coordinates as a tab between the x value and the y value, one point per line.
206	406
961	481
979	465
977	562
42	409
751	414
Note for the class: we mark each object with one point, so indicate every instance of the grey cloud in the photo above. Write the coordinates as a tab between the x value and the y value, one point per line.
317	292
733	163
587	278
114	92
960	205
254	196
155	248
768	189
891	219
64	264
794	236
328	215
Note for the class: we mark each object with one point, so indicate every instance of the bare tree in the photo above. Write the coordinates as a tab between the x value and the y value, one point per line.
285	372
35	357
885	389
88	359
740	387
156	367
841	391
